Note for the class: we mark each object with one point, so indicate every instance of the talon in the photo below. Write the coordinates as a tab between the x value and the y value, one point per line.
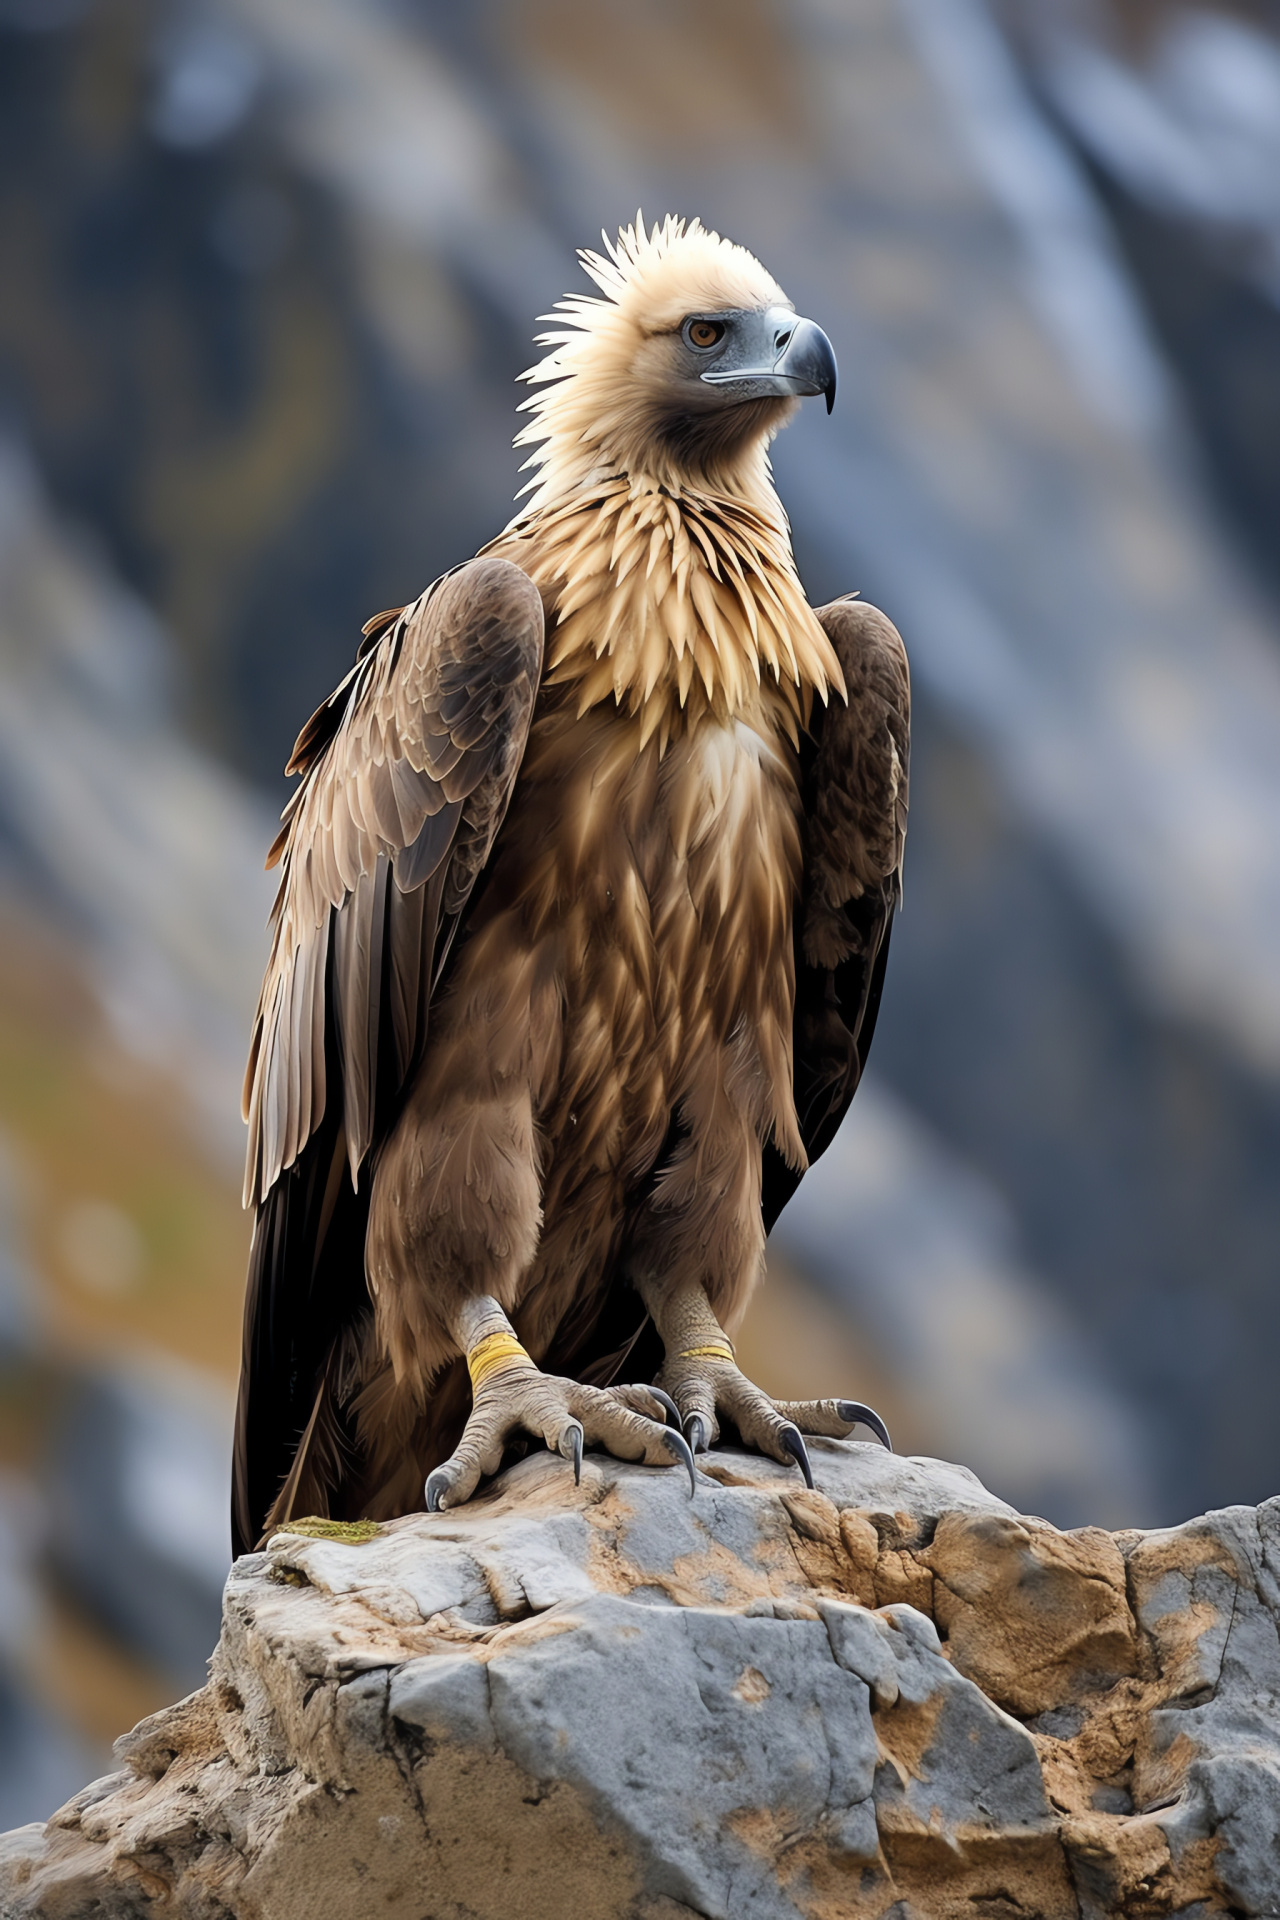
856	1414
697	1433
570	1448
669	1406
678	1447
791	1440
437	1487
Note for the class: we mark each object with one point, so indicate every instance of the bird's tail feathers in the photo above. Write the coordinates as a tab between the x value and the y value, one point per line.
327	1458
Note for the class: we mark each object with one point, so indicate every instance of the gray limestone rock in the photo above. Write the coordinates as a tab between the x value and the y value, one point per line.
890	1696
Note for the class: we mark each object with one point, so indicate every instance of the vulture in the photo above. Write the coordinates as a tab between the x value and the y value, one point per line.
584	907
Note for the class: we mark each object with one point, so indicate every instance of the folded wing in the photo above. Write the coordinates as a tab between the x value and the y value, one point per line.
407	773
854	787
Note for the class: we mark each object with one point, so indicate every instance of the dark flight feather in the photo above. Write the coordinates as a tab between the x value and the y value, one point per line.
854	780
407	771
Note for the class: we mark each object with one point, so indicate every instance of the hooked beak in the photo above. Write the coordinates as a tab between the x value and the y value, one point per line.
776	353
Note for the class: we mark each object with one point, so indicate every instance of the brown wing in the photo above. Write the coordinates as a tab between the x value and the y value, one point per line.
854	784
407	772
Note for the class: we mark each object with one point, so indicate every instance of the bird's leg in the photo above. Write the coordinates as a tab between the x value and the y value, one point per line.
511	1395
702	1375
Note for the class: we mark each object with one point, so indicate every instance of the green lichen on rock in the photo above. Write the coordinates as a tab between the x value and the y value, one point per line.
352	1533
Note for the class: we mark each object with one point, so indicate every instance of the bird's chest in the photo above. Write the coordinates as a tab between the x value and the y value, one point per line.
661	894
719	864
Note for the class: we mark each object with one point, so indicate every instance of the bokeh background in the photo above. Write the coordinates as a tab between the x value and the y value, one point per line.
268	270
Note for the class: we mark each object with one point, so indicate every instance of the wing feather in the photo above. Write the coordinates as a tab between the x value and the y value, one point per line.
407	769
407	772
292	1083
300	1040
415	864
855	767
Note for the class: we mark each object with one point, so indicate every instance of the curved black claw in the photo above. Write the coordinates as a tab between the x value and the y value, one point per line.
678	1447
437	1487
697	1433
853	1410
571	1449
790	1438
669	1406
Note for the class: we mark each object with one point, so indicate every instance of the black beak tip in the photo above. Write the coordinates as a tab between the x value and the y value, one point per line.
831	372
811	357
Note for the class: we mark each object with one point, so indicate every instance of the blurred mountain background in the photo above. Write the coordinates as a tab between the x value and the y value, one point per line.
269	271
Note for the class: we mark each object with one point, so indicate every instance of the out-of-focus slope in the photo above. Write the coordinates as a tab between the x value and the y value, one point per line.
39	1753
131	1229
1175	110
132	910
1183	105
980	1353
278	413
146	850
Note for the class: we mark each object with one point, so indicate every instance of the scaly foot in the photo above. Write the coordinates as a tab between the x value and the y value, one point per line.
517	1398
706	1382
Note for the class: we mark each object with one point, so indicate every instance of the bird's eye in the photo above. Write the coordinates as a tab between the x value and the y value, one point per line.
704	333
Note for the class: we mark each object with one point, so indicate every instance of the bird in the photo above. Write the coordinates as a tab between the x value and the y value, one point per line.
585	899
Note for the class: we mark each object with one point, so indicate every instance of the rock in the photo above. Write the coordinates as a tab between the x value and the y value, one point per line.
891	1696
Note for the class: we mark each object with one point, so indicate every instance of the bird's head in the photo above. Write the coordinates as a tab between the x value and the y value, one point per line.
679	375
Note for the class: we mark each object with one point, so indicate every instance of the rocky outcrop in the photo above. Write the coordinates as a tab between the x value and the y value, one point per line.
890	1696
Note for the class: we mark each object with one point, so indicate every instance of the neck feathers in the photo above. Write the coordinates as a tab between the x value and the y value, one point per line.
674	604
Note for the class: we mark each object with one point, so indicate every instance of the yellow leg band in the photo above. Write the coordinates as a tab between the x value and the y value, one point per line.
496	1353
722	1350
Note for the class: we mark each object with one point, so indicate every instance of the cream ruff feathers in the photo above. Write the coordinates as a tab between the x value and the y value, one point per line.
666	581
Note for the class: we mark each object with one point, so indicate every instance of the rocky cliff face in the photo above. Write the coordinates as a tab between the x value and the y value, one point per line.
894	1695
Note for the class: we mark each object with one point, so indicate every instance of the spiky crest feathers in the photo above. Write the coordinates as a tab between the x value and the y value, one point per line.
594	412
677	593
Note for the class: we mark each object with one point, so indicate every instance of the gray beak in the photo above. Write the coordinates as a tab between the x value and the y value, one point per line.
775	352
